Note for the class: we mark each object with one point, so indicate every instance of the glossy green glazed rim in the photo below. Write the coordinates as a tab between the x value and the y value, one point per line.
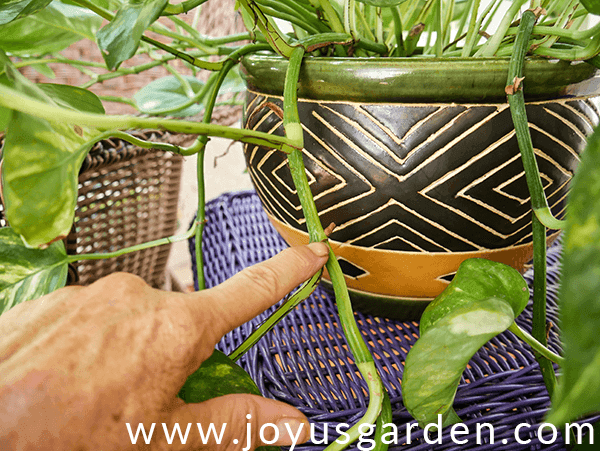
419	79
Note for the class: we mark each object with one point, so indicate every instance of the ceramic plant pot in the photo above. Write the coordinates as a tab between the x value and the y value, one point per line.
417	164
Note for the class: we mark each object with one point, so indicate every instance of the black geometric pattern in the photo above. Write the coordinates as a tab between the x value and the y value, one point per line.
418	177
350	269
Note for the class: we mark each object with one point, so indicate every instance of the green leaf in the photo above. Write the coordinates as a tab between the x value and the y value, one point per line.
50	30
13	9
481	301
41	162
72	97
27	274
478	279
436	362
217	376
44	69
168	92
592	6
578	390
120	39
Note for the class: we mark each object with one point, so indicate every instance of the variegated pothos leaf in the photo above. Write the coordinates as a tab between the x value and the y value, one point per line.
26	273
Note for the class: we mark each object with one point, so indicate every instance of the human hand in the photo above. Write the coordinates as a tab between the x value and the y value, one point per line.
78	364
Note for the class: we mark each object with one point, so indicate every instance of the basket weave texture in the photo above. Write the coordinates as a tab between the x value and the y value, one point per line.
127	196
305	361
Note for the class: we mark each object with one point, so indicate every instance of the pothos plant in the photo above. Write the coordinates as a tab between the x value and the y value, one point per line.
50	128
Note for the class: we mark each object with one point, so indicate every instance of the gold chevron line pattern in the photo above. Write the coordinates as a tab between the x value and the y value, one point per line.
417	177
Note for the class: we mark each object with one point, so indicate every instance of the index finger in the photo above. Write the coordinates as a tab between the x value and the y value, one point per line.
256	288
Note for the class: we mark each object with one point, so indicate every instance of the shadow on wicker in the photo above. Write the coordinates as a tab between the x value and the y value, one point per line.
127	196
305	360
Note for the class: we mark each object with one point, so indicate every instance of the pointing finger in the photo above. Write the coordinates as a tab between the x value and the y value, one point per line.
258	287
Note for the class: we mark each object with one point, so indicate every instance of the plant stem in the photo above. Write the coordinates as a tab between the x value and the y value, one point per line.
286	307
574	54
332	16
491	47
473	31
57	59
363	358
202	64
280	11
200	147
293	9
536	345
200	217
268	28
15	100
117	99
536	192
384	418
539	325
438	25
399	50
166	147
124	70
182	7
138	247
518	112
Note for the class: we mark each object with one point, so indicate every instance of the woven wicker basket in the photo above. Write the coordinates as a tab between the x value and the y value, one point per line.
142	185
127	196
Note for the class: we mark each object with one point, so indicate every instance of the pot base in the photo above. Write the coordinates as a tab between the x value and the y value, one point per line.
393	307
399	285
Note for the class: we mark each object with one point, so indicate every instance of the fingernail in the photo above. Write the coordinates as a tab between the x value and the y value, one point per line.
292	431
319	249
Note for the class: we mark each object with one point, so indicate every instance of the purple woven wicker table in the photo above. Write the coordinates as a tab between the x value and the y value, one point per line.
305	361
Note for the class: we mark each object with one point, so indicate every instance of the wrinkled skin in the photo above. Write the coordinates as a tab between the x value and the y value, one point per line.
78	364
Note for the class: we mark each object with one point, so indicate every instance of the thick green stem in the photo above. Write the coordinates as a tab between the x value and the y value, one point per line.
268	28
573	54
516	100
293	9
490	47
536	191
291	119
473	32
363	358
182	7
385	418
15	100
438	25
332	16
399	50
283	13
539	322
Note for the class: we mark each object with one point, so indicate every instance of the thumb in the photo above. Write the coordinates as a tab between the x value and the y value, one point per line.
238	422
